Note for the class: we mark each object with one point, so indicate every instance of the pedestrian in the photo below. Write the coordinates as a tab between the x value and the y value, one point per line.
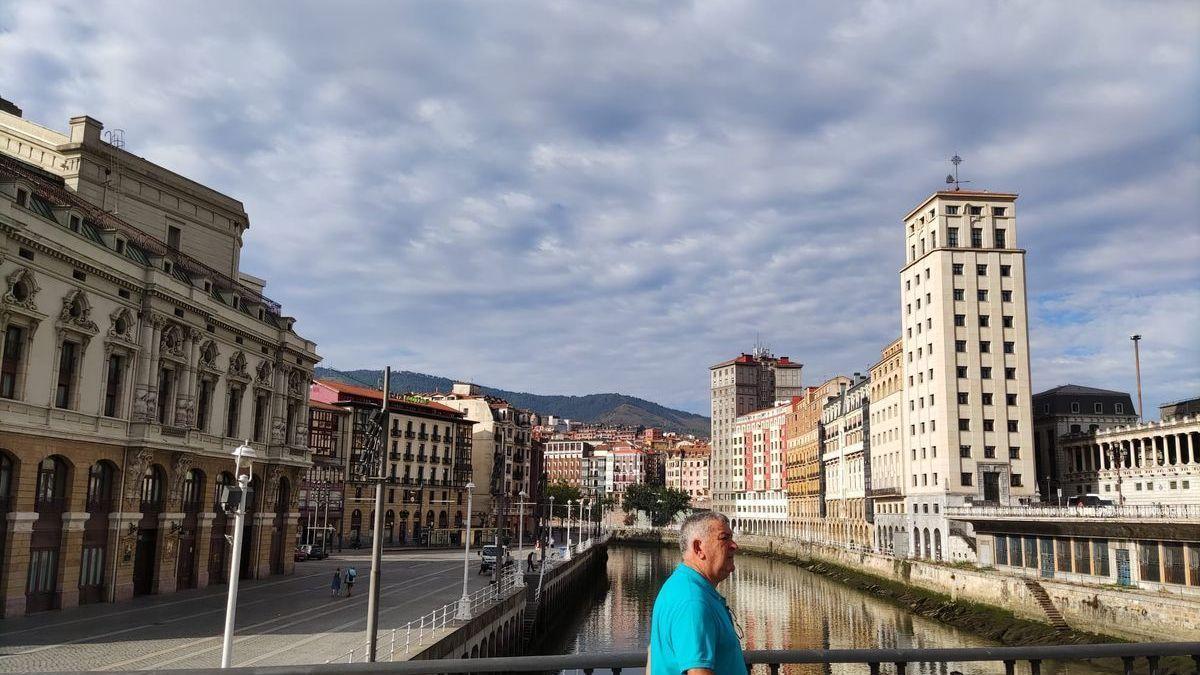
692	628
351	574
529	563
335	588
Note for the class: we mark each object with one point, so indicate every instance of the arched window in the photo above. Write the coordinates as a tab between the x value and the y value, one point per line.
458	519
6	482
51	485
193	490
429	518
100	484
152	487
283	497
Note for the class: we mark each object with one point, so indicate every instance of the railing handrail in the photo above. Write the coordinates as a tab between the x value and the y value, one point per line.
634	659
1168	511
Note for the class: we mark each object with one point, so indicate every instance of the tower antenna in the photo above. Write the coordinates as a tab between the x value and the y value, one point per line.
952	179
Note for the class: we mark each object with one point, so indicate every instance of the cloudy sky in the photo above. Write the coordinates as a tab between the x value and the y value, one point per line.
573	198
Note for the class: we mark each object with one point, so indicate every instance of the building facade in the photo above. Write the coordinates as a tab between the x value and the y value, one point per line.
687	470
739	386
1071	409
760	502
803	465
1150	463
966	364
136	357
846	465
564	460
426	466
323	488
889	462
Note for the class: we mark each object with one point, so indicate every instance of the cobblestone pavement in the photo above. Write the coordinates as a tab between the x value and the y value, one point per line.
280	620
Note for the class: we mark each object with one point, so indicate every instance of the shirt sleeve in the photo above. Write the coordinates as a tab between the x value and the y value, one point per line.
693	634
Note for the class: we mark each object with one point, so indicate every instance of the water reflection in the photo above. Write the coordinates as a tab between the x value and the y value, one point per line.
780	606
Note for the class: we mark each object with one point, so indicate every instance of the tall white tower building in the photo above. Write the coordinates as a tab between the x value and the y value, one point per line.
967	398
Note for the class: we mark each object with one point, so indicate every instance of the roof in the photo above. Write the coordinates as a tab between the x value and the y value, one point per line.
778	362
963	194
1079	390
377	395
326	406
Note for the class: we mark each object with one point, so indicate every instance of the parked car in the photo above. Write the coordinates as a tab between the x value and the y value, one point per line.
491	555
315	552
299	555
1090	499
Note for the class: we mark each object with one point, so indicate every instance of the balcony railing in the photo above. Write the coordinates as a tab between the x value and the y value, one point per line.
1173	512
436	438
408	457
410	434
422	436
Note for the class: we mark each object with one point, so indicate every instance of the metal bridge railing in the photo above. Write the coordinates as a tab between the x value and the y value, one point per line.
873	661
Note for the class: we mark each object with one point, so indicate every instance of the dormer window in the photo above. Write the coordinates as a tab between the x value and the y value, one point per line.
22	197
207	286
74	222
167	266
121	246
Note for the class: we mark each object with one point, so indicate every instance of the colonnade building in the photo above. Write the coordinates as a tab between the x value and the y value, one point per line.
1150	463
136	357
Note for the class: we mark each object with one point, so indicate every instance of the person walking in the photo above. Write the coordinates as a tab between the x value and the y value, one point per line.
692	629
351	575
335	588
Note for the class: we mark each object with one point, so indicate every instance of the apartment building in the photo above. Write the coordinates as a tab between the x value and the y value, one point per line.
687	470
1072	409
136	356
760	501
739	386
564	460
804	478
966	364
889	462
845	459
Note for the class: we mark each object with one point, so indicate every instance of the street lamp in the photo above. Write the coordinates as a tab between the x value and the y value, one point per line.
551	541
236	498
464	603
521	538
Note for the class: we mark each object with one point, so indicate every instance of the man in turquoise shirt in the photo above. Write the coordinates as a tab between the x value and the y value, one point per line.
692	629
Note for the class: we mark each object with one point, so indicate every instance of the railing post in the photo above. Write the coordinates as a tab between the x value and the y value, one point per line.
1035	667
874	666
1153	665
407	636
1128	660
900	666
1010	667
392	649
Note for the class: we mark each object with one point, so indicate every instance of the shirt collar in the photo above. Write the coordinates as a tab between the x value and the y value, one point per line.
698	579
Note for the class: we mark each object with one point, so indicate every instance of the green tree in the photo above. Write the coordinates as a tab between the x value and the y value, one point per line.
562	493
660	504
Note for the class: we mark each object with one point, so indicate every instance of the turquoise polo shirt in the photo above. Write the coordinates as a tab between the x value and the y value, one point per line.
692	628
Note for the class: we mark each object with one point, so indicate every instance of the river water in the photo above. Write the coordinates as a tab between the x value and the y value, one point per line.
779	606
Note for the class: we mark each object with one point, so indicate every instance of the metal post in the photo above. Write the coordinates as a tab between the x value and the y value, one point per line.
243	451
1137	366
376	535
464	603
521	539
325	538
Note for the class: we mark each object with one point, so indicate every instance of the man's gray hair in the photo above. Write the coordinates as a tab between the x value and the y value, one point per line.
696	526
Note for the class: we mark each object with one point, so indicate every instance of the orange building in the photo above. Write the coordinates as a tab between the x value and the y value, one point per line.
802	435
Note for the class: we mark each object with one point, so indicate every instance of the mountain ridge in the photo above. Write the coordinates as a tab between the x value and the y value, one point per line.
608	408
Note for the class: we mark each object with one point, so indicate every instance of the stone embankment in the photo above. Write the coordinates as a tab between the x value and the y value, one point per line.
1003	607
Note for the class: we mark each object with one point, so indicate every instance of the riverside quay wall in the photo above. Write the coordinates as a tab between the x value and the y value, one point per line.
520	620
1129	614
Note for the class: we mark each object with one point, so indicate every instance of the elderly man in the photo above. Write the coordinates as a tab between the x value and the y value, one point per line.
692	630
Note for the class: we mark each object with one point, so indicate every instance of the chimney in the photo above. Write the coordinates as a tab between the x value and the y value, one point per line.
9	107
85	130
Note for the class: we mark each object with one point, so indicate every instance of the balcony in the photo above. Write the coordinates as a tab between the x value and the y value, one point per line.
408	457
420	457
409	434
446	459
422	436
394	456
436	438
1139	512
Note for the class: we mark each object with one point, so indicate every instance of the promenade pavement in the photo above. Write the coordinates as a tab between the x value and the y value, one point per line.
281	620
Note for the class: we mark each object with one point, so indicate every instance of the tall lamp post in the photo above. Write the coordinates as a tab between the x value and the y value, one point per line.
521	537
242	455
550	541
464	603
1137	367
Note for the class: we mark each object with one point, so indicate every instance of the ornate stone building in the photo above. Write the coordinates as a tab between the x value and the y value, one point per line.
136	356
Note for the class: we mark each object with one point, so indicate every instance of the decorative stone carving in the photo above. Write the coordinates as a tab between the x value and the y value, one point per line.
264	373
22	289
76	313
208	356
297	383
184	411
274	473
133	481
278	431
179	467
237	367
145	406
123	326
171	342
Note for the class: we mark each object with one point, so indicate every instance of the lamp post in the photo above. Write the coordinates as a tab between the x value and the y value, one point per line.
551	519
1137	365
243	453
570	507
520	581
464	603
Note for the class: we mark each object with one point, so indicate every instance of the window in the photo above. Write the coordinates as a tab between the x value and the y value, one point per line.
173	236
958	294
985	346
1006	270
986	398
964	424
1007	321
1006	296
989	425
981	295
966	479
1074	406
985	372
984	321
43	571
232	426
1118	408
1010	399
1012	425
981	270
1148	559
976	237
976	210
964	451
964	398
1015	480
1100	557
1009	347
960	371
112	385
260	417
1014	452
952	210
166	395
204	404
952	237
68	365
960	345
10	365
960	320
1098	408
958	269
998	210
1010	373
1000	240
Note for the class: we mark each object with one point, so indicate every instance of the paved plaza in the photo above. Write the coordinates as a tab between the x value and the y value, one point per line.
280	620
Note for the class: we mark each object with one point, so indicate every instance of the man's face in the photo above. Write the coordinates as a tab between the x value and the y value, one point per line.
716	552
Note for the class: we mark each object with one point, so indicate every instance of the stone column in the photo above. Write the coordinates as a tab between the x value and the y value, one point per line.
16	560
167	556
119	577
70	552
144	403
185	407
263	531
204	523
289	541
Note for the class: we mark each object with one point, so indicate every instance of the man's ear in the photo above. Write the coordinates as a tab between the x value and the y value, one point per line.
696	547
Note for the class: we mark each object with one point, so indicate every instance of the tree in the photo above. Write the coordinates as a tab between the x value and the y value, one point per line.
562	492
661	504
